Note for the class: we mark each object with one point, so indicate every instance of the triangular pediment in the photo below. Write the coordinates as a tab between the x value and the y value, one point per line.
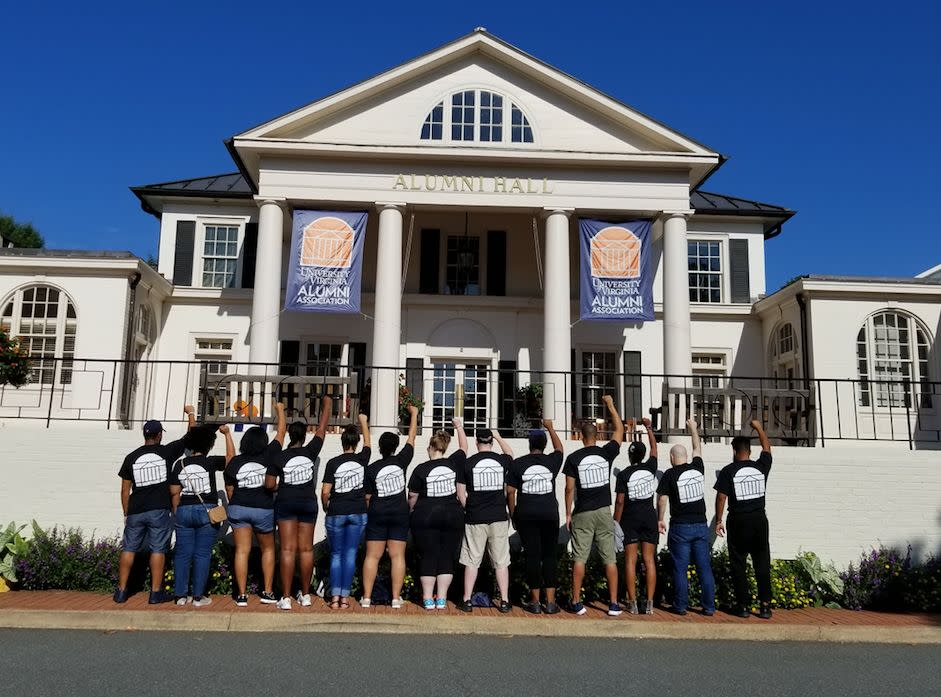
390	110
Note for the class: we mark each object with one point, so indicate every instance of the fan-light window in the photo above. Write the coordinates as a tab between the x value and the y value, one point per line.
477	116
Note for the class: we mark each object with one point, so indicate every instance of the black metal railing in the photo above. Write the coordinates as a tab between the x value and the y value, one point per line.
795	411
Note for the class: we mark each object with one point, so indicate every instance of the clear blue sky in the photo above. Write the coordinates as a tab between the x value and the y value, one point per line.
832	112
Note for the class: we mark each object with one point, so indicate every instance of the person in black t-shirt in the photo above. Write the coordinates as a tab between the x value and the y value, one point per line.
437	516
486	526
534	509
588	486
633	509
194	492
387	510
343	495
683	486
293	472
742	483
251	505
145	500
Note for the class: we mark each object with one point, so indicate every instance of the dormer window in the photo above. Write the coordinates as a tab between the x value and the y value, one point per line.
479	116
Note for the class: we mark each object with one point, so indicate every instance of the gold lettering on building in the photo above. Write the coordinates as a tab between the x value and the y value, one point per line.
458	183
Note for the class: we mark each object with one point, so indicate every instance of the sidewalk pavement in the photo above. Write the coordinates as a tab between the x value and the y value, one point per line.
75	610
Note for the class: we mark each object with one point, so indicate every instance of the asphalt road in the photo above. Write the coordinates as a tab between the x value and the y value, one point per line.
137	664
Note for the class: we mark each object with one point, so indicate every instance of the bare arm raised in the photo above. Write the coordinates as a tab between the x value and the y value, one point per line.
693	428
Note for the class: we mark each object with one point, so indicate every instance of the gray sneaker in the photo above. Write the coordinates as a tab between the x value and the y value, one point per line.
632	608
648	608
202	601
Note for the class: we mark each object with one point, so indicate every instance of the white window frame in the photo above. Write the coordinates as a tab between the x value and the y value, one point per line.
724	290
63	365
202	222
780	362
718	370
618	377
506	123
211	355
885	393
461	359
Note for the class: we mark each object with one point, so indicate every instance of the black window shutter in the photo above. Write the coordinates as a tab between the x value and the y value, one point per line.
184	252
633	398
506	407
357	360
496	262
414	380
290	356
249	250
430	254
738	261
575	381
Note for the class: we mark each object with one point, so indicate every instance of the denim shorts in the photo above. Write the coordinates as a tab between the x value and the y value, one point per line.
303	510
154	527
260	519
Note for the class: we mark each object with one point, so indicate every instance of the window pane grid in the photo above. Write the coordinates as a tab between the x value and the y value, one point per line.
462	266
705	272
220	254
44	322
596	379
462	116
885	355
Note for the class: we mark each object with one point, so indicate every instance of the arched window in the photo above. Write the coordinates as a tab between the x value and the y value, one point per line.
783	356
892	356
480	116
43	318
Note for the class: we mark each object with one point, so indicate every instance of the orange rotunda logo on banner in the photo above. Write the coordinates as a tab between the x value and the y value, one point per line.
327	242
615	253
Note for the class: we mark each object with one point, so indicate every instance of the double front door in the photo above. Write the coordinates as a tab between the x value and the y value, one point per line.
460	389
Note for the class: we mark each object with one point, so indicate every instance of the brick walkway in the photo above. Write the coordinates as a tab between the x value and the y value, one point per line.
97	602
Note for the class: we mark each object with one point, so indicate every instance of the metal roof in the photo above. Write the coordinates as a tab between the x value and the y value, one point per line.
898	280
72	253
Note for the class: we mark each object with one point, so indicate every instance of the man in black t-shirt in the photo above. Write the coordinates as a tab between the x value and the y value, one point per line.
486	524
145	500
742	483
683	486
588	487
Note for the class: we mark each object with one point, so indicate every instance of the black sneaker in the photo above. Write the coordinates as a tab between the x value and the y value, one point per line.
676	611
552	609
764	612
504	607
120	596
158	597
741	612
241	601
466	606
535	608
267	598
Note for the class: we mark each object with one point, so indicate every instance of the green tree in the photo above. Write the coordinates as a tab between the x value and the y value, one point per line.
14	361
20	234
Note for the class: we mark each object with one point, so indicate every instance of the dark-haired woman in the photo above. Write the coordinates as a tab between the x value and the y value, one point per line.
437	516
193	491
251	506
344	501
293	471
387	515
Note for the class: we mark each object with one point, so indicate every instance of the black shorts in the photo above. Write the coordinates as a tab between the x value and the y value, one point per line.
640	526
303	510
384	527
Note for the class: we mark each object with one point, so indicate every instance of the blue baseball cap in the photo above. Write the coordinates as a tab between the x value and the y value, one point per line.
153	428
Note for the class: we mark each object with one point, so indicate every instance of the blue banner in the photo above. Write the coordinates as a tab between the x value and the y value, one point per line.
326	264
616	278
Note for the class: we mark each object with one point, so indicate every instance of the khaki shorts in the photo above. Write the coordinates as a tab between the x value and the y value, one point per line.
494	537
593	527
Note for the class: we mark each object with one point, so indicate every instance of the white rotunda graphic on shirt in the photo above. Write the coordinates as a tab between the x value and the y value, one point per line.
691	486
348	477
251	475
593	472
641	484
195	480
149	469
488	475
390	481
298	470
537	480
749	484
441	482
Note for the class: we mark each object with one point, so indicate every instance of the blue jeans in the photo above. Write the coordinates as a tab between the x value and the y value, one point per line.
195	536
687	540
344	533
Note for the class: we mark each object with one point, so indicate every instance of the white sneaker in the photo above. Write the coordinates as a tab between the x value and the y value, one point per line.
184	600
303	599
365	603
397	604
284	604
202	601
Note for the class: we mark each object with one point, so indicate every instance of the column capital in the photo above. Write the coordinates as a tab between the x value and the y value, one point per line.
550	210
667	215
262	200
382	205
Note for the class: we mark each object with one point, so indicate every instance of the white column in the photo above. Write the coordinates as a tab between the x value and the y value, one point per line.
557	321
387	325
676	336
266	298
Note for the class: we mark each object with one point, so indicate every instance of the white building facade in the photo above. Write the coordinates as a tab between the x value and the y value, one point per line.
474	163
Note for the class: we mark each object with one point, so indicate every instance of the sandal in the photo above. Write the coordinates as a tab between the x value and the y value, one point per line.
344	604
335	604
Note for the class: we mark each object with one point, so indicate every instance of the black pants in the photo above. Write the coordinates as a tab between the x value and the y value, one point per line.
438	531
540	540
748	534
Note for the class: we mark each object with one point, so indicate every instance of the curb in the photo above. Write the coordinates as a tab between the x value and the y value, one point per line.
142	620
